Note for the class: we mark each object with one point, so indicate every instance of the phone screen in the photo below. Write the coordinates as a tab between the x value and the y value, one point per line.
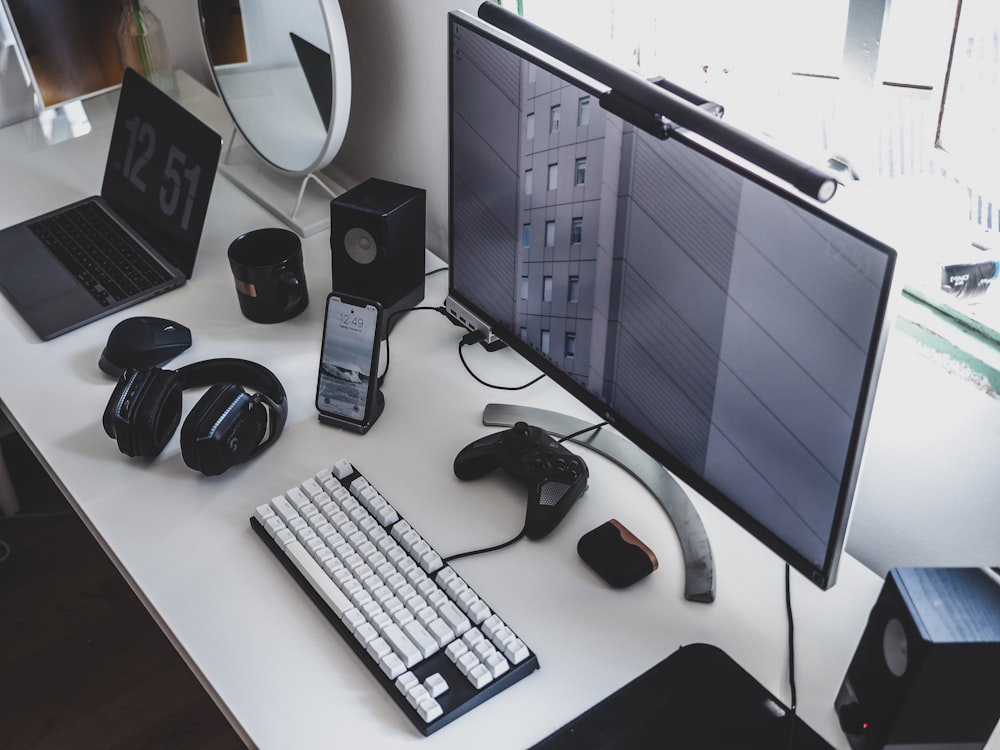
348	367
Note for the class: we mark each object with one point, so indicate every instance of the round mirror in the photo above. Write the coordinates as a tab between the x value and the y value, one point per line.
283	71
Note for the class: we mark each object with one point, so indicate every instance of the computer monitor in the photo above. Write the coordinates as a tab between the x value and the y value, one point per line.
726	324
70	48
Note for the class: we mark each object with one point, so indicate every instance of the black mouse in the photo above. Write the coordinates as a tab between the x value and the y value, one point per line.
143	342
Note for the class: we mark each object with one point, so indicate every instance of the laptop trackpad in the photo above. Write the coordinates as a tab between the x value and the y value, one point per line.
31	277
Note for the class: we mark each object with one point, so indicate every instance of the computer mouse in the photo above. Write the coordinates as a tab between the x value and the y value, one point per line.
143	342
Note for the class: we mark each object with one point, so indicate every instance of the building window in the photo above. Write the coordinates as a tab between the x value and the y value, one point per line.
550	234
546	289
524	287
583	111
580	173
553	176
526	235
570	344
576	231
528	181
573	292
554	119
529	125
545	342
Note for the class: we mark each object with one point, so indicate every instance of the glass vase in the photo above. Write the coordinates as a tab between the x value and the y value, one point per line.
142	45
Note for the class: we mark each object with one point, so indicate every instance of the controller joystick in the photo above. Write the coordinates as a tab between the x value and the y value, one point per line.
555	477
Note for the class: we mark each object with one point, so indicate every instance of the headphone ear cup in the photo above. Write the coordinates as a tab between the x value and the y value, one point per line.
223	429
144	411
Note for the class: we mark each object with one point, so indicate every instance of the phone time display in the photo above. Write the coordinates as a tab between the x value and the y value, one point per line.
352	321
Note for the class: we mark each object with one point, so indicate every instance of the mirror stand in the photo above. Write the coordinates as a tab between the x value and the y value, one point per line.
307	211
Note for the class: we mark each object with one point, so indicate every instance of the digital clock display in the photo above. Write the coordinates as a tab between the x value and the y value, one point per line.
161	169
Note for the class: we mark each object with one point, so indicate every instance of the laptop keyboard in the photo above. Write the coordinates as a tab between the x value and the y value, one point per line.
98	253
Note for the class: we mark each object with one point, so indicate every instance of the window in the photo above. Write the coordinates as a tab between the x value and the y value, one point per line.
550	234
546	289
570	344
524	287
529	125
554	119
526	235
573	291
580	171
576	231
923	77
528	181
545	342
553	181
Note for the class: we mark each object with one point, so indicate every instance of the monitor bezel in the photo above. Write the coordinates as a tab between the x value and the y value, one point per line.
824	575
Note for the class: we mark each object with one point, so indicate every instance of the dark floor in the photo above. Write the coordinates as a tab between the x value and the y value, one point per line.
82	664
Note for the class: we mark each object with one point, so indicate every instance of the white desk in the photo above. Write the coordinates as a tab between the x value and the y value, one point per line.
266	654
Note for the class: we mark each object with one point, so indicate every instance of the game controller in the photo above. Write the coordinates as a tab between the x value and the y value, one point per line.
555	477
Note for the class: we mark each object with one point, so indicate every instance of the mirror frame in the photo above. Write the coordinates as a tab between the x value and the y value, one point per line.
340	61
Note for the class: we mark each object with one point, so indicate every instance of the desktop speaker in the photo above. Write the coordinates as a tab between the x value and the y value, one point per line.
377	245
926	673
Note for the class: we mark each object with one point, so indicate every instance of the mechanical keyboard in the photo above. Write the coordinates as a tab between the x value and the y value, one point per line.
428	638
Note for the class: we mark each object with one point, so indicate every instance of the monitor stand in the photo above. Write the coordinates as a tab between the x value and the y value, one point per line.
59	124
699	566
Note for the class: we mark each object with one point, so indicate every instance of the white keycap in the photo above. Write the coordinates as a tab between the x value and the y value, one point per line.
285	510
342	469
306	565
436	685
423	640
402	646
455	618
429	709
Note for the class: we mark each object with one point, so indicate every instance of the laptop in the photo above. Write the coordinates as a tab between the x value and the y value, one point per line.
145	225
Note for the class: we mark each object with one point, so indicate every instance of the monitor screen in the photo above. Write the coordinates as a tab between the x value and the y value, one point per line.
727	325
70	48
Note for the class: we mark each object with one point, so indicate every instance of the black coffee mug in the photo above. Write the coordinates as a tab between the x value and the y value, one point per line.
270	279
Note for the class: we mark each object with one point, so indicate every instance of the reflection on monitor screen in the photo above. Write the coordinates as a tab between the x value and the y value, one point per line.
70	47
729	327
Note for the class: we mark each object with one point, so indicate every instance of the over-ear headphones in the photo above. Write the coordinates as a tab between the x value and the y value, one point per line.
225	428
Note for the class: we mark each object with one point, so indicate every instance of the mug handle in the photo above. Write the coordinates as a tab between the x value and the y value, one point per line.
293	288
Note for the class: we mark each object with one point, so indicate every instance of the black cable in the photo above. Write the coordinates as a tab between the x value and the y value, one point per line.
388	323
475	337
484	550
791	656
591	428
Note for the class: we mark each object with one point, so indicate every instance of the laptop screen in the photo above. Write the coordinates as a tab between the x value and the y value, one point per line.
160	169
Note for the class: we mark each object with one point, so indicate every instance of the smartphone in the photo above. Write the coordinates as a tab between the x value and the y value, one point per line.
347	392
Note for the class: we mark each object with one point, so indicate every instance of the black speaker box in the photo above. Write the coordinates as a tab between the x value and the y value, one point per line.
926	673
377	244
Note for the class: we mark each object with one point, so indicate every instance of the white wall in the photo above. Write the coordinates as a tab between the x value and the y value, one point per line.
399	128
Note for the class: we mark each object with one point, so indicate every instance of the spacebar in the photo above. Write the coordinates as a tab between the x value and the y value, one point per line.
318	579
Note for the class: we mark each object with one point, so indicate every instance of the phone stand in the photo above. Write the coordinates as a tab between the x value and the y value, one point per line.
355	426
